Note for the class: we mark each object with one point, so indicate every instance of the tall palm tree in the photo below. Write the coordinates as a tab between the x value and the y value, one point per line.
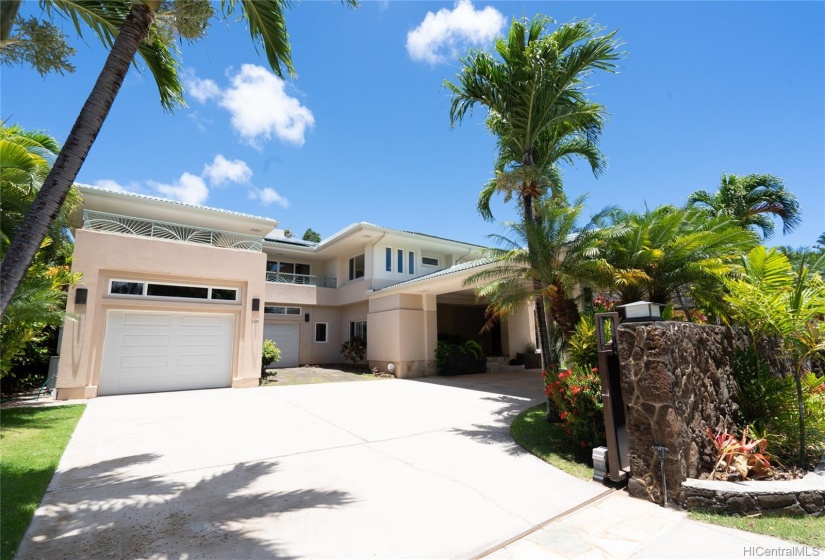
752	200
535	96
265	19
667	253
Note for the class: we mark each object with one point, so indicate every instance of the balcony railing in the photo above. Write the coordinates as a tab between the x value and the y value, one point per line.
302	279
103	221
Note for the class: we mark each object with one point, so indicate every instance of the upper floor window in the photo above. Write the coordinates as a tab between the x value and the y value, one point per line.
400	261
287	267
411	267
430	261
388	258
356	267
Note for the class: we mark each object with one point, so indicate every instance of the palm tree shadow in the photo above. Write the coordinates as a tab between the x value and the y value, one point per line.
193	516
498	431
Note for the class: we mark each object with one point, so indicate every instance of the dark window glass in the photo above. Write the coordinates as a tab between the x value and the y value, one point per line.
389	259
165	290
276	310
358	328
320	332
293	310
271	266
130	288
301	269
356	267
288	268
223	293
400	260
429	261
412	263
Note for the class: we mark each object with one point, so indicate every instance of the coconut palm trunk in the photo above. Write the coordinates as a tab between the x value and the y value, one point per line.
47	204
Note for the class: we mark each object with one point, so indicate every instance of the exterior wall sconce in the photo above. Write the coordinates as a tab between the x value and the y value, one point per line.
80	295
306	317
256	304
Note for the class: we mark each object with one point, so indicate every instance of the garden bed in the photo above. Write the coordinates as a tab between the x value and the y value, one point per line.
801	496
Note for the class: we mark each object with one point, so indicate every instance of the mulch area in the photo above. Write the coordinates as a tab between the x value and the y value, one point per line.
304	375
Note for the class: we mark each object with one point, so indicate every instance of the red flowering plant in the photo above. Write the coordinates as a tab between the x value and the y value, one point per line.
576	395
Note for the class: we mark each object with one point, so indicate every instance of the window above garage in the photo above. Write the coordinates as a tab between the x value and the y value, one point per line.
148	289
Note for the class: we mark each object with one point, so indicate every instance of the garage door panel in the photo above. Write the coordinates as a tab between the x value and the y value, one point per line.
166	352
146	319
287	339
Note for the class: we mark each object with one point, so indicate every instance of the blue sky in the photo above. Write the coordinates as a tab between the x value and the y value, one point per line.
363	134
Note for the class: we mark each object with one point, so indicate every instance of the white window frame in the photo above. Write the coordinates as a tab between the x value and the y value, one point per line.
411	262
146	283
284	307
326	332
354	330
436	259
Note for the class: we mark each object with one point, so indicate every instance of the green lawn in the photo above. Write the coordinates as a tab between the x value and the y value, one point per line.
32	442
807	530
545	441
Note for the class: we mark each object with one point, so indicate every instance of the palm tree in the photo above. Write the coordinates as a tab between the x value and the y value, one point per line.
267	27
752	200
25	159
668	252
559	260
535	97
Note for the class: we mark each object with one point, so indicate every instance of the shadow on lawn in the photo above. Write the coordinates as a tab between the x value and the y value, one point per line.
113	516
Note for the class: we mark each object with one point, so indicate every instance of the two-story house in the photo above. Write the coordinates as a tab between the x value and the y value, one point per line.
176	296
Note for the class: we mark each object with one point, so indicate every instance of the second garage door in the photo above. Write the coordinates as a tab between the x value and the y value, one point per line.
147	352
286	339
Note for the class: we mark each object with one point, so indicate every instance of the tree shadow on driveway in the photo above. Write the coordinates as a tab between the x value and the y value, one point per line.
204	513
498	431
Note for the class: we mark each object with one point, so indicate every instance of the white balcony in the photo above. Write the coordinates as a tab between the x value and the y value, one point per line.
114	223
301	279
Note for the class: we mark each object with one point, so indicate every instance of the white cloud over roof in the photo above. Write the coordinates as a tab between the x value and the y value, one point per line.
446	34
259	106
267	196
222	171
189	189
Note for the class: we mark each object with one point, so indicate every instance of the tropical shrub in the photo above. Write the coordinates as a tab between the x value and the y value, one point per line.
741	458
581	349
355	349
576	395
269	354
455	359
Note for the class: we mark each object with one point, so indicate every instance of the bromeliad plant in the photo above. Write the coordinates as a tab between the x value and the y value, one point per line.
576	395
744	458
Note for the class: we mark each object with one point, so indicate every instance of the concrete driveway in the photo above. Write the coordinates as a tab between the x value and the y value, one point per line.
386	469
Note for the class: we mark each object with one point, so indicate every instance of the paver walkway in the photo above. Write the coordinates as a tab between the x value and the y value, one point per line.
396	469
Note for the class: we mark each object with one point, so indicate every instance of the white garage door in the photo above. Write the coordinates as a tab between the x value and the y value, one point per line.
146	352
285	338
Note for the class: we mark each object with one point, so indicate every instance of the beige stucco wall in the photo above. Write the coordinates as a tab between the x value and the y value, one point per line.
103	256
402	331
517	332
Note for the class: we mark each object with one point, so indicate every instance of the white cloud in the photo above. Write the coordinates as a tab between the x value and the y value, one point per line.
269	195
202	90
190	189
444	34
110	185
261	108
222	170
